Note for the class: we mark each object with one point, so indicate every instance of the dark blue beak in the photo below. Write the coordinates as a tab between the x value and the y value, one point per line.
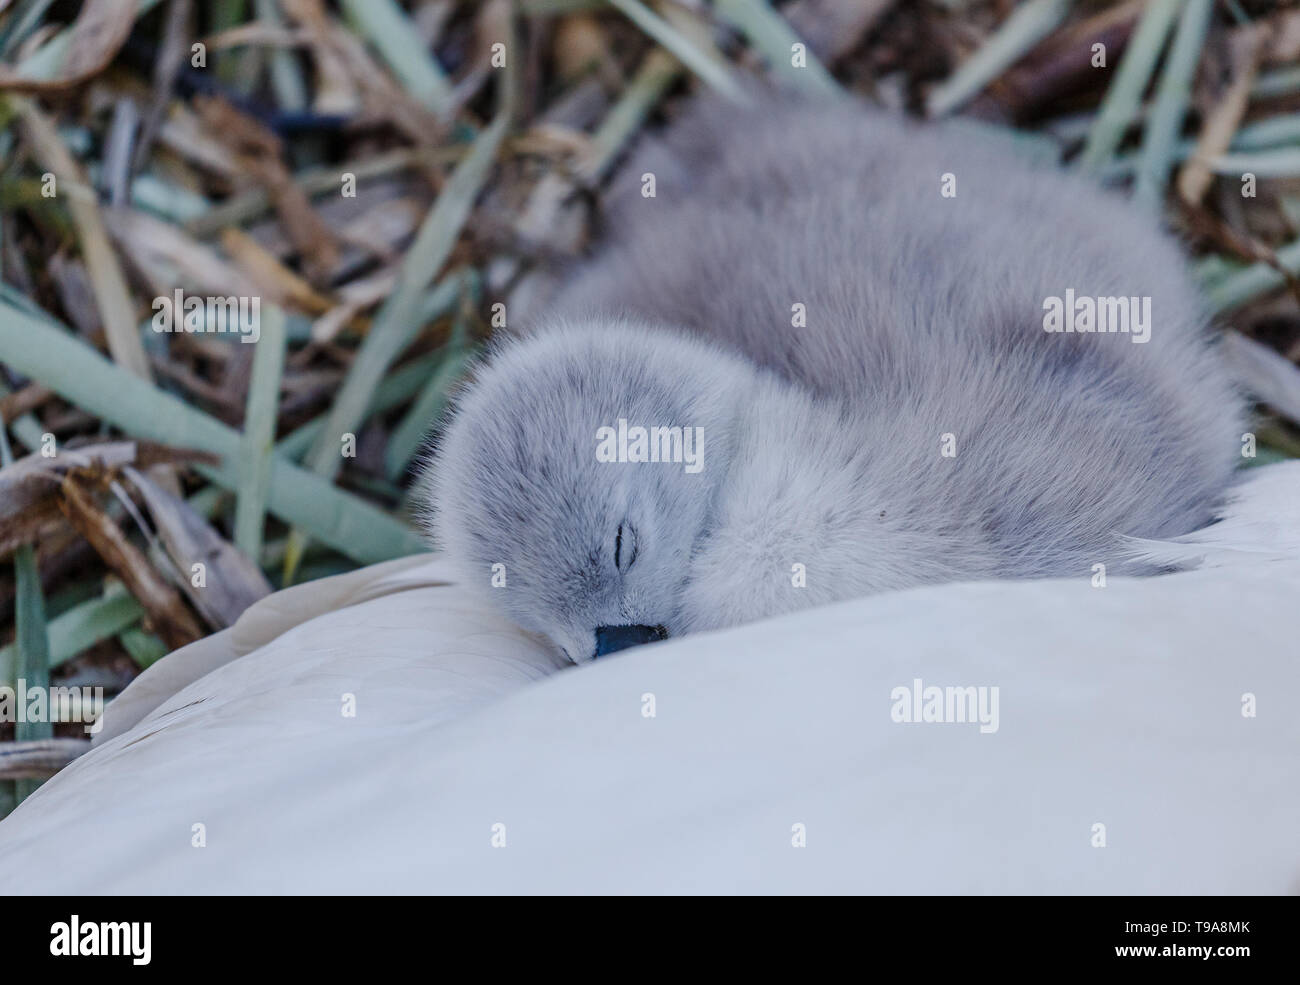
611	639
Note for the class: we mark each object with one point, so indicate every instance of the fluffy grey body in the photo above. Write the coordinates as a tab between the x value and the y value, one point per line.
824	442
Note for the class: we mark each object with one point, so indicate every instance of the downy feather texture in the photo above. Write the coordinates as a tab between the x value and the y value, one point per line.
917	424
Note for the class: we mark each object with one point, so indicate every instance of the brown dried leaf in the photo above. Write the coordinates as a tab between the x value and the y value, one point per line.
165	610
22	401
168	257
98	34
29	487
1061	65
233	582
38	759
259	151
336	89
1221	123
270	275
1284	44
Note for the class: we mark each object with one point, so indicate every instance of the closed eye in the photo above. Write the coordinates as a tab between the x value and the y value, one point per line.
625	547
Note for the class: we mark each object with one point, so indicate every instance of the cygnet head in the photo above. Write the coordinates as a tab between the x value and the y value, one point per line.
544	493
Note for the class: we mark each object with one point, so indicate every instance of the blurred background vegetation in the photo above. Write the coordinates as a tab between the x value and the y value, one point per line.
389	177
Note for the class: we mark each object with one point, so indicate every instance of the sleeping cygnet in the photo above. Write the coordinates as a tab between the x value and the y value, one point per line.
833	354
